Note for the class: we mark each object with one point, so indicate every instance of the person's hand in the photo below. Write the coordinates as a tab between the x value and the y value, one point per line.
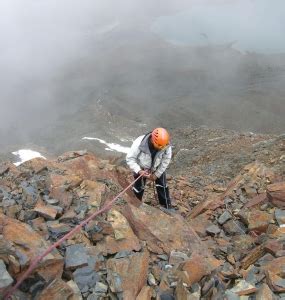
152	177
144	173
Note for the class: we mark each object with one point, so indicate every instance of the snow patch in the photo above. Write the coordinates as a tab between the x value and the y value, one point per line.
111	146
25	155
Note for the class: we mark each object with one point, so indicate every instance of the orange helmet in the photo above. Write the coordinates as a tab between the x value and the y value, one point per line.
159	138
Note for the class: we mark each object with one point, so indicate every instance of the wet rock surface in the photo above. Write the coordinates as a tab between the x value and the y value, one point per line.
224	239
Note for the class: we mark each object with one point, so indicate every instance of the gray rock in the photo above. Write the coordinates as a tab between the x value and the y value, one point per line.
231	296
115	282
280	216
166	296
100	288
234	227
177	257
58	230
85	278
213	230
75	257
224	217
5	278
93	296
163	257
123	254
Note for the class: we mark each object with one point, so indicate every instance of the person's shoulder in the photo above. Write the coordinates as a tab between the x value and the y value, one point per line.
138	140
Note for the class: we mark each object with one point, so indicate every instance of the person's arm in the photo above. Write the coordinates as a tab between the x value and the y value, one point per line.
166	158
132	156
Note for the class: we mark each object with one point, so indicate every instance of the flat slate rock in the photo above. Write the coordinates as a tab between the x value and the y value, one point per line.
75	257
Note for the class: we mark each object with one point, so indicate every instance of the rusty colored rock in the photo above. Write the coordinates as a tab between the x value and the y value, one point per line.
46	211
276	194
181	292
258	220
253	256
56	290
123	239
128	275
93	192
85	166
257	200
264	293
276	283
198	266
200	223
145	293
276	266
27	244
161	231
273	246
38	164
209	204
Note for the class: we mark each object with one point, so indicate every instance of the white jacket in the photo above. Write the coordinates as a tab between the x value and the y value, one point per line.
139	157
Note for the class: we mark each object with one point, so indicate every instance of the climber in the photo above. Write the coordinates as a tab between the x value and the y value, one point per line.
150	155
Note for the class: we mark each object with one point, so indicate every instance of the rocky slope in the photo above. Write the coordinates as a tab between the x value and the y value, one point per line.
224	240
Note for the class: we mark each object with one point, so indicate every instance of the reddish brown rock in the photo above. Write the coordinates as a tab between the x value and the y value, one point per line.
56	290
145	293
128	275
27	244
161	231
123	237
59	188
253	256
93	191
275	282
200	223
181	292
264	293
273	246
258	220
38	164
46	211
198	266
276	194
257	200
276	266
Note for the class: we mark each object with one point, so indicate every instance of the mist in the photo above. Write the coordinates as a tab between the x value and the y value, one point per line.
70	68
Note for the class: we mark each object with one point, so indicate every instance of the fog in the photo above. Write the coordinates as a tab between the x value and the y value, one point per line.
67	66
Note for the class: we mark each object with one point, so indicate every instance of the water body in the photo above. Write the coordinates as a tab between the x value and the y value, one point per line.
246	25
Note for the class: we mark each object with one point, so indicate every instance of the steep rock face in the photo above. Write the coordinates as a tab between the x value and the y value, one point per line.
161	231
135	249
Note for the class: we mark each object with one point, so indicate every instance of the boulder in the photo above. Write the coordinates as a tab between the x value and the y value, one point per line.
162	232
276	194
56	290
123	236
197	267
128	275
26	245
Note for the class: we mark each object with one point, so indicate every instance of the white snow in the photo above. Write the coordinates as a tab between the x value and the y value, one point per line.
25	155
111	146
